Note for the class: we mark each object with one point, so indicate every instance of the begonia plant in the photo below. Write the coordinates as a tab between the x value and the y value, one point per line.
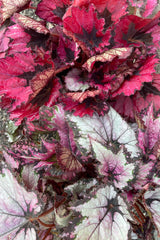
81	86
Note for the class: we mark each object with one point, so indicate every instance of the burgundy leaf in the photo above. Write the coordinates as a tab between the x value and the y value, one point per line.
136	31
41	80
135	82
30	178
65	51
52	11
96	103
88	34
107	9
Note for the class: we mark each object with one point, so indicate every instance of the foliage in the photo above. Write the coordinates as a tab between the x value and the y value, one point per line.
83	96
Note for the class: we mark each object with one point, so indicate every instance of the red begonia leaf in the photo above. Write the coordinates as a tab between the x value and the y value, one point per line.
28	33
9	7
88	34
88	106
46	95
65	50
136	31
11	84
129	106
156	81
107	9
136	81
52	11
25	111
17	206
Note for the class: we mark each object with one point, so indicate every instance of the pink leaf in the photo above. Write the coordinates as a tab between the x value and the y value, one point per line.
113	167
103	215
17	205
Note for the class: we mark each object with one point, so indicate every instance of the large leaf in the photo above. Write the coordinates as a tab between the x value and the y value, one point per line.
110	130
88	34
105	217
16	207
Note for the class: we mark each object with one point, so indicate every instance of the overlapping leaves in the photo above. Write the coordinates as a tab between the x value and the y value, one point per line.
70	78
